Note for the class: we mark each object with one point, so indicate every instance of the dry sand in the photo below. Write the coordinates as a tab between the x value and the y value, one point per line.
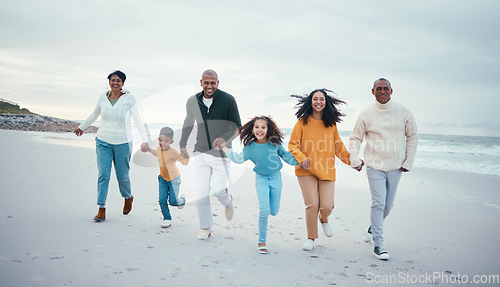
444	224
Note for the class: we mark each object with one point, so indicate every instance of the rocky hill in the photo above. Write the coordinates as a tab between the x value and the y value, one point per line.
12	117
8	107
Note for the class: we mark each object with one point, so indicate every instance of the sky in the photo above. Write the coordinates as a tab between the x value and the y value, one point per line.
442	57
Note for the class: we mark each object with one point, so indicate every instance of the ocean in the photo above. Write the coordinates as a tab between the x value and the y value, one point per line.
470	154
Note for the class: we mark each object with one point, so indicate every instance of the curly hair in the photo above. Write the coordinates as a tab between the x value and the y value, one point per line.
274	134
331	115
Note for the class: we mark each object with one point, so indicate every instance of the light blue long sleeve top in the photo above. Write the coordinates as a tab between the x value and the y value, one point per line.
266	157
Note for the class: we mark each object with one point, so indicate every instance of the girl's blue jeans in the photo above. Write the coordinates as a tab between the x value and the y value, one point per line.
269	194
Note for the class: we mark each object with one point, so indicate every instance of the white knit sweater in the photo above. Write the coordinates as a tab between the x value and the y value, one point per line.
115	127
391	137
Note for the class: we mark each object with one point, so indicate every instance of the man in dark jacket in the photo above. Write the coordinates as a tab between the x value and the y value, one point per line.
217	119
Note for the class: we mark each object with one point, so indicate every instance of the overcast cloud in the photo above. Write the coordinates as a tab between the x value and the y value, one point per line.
442	57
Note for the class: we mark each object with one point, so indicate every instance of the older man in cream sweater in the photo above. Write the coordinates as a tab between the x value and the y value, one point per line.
390	132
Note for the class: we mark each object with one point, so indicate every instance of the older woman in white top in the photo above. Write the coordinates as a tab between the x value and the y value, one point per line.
114	140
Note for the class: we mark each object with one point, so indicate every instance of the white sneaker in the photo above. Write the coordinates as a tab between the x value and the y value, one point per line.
166	223
229	210
308	246
380	253
182	206
327	229
203	234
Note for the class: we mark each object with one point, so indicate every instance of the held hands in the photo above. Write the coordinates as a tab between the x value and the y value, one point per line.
359	167
186	155
224	148
78	132
145	147
184	152
306	164
218	143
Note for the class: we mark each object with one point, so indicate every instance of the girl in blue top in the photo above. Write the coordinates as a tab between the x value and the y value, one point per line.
262	141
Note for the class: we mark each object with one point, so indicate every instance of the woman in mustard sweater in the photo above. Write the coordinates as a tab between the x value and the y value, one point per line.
314	143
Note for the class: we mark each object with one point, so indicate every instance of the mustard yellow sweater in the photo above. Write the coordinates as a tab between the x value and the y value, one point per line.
320	145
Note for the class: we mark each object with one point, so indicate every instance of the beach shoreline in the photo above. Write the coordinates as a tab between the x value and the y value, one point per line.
443	223
40	123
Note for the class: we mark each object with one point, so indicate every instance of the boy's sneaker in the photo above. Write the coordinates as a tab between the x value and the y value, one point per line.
380	253
183	197
203	234
309	245
166	223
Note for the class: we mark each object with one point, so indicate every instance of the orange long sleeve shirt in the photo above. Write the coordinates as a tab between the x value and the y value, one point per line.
166	160
320	145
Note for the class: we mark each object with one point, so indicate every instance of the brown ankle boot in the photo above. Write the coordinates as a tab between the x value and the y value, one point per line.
127	207
101	215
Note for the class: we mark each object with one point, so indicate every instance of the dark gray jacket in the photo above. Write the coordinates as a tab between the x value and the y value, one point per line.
221	120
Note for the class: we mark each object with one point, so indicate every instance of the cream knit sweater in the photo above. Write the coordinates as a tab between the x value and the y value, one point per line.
115	125
391	137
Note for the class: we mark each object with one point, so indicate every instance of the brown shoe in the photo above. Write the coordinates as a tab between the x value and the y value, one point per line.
127	207
101	215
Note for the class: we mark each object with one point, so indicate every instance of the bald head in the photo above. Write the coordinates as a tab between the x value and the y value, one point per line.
210	73
209	82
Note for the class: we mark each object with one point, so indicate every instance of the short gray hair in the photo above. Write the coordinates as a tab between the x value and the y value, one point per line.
381	79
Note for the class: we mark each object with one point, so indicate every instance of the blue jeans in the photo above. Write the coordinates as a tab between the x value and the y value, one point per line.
383	185
169	191
119	155
269	194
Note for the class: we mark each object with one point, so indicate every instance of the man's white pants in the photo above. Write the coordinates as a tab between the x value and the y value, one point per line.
212	174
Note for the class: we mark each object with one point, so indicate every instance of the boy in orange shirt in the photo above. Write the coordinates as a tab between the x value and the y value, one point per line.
169	178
